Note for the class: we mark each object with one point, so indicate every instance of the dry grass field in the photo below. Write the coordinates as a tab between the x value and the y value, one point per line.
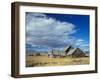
32	61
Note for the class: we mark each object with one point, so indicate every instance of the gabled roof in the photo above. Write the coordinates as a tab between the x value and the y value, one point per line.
67	47
71	51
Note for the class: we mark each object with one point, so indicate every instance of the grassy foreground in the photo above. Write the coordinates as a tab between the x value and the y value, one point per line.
32	61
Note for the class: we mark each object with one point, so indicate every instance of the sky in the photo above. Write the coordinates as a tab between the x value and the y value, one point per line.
47	31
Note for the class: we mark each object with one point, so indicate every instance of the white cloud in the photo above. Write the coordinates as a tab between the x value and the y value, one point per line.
47	31
82	44
79	42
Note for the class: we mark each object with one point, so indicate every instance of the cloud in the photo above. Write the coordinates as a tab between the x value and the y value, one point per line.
79	42
44	32
82	44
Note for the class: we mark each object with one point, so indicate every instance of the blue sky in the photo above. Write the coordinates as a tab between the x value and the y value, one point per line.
46	31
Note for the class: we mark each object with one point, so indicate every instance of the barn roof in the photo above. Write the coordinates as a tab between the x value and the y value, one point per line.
67	47
71	51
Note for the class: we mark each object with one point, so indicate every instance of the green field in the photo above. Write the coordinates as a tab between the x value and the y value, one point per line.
32	61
